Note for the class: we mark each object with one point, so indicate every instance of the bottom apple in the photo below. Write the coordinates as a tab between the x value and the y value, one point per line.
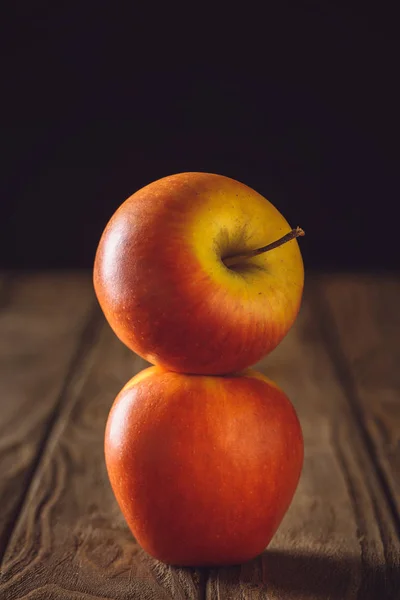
203	468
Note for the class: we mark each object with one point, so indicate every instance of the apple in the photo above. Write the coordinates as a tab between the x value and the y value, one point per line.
192	273
203	467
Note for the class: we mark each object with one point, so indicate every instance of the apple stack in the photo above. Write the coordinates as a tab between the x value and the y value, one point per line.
201	276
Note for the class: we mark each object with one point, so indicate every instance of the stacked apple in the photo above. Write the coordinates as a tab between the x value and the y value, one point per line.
201	276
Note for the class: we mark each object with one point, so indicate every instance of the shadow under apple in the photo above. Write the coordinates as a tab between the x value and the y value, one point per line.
283	574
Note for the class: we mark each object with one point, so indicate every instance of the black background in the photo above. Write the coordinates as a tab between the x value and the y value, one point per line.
299	102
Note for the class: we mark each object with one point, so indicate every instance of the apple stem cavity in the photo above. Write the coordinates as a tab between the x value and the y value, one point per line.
229	261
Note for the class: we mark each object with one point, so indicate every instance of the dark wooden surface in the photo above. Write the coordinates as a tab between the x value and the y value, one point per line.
61	533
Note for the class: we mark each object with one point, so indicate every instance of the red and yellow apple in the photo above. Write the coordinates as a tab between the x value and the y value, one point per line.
203	468
167	284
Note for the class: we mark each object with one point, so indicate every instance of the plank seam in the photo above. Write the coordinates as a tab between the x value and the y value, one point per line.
336	353
358	515
88	333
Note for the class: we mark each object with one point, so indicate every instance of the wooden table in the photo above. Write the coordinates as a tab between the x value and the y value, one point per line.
61	533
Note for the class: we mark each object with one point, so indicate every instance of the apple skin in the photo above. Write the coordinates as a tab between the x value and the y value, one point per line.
162	285
203	468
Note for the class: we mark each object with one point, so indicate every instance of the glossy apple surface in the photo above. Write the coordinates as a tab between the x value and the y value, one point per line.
162	284
203	468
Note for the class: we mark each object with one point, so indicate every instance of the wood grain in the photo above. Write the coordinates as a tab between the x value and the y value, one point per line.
71	540
365	340
338	539
41	321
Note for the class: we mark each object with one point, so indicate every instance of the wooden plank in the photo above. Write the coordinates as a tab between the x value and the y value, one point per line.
365	339
41	320
338	539
71	540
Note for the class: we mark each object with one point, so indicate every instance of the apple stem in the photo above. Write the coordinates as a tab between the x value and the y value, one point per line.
229	261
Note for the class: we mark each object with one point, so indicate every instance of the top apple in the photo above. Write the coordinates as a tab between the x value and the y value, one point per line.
168	289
